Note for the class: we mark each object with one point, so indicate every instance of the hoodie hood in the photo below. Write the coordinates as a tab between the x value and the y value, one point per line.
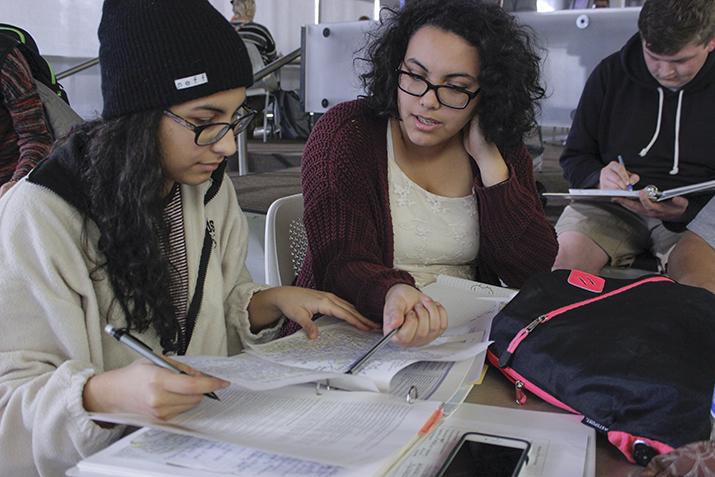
633	62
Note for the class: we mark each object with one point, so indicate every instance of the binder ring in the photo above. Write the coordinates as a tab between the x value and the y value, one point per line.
652	192
411	395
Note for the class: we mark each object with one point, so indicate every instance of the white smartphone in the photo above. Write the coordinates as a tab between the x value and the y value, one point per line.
485	455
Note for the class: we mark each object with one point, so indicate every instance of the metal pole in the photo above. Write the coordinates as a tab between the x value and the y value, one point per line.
316	15
242	149
277	64
77	69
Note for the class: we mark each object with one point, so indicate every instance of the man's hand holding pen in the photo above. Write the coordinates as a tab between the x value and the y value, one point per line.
616	176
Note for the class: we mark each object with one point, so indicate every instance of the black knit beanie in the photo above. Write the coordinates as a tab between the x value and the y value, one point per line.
157	53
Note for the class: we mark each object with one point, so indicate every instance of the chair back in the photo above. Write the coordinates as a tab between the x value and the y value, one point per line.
269	83
286	242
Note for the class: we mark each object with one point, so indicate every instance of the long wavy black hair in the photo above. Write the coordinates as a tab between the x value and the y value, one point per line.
124	195
509	63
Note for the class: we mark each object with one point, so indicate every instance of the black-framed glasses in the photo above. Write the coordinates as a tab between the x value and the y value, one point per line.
451	96
211	133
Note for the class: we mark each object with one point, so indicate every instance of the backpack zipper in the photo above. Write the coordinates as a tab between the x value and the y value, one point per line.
526	331
519	393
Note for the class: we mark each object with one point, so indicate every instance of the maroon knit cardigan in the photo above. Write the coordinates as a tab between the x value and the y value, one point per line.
349	226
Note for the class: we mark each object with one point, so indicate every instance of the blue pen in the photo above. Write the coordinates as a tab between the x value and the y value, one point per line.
620	161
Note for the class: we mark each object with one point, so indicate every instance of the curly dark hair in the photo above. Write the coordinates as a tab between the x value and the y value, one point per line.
667	26
509	64
123	184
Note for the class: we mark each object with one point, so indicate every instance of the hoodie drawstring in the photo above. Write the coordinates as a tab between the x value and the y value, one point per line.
645	150
676	147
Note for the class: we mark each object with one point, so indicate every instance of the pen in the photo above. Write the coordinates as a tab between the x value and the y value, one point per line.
144	351
359	363
620	161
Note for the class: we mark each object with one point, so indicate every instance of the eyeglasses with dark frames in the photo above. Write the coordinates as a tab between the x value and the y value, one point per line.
211	133
450	96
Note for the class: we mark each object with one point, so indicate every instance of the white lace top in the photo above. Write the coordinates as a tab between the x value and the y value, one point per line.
433	234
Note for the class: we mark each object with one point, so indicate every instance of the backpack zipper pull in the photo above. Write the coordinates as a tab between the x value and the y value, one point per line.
531	326
520	394
523	333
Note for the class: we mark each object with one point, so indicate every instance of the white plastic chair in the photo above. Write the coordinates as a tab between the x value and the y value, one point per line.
286	242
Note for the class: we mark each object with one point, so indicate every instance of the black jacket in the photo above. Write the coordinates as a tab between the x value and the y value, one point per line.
618	115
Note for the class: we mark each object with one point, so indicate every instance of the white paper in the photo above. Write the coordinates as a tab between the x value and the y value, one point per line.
560	443
340	344
252	373
337	428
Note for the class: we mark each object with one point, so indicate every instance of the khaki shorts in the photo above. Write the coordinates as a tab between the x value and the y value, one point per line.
622	234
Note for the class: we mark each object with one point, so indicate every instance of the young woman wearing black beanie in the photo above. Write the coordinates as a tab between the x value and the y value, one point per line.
131	222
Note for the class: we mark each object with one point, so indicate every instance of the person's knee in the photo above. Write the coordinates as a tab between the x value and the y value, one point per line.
692	262
577	250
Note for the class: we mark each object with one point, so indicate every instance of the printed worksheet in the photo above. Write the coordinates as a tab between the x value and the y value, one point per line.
159	453
340	345
340	428
253	373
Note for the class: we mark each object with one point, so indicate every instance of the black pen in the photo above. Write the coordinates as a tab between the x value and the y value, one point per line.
359	363
144	351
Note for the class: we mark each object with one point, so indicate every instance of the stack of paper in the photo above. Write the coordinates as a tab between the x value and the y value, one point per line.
561	446
271	419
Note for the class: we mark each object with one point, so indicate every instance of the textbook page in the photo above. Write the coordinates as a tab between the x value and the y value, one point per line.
340	344
560	444
468	301
156	453
337	428
253	373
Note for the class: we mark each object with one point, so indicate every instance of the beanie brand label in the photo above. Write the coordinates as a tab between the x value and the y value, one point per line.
191	81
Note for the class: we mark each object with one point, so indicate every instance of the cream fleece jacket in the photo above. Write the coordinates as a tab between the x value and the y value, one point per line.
52	315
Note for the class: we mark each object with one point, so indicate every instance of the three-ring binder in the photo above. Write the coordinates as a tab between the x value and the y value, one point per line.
410	398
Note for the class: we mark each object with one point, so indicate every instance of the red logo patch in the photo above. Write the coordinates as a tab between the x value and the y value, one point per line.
586	281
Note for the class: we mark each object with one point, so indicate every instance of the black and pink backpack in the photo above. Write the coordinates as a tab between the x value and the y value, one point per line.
635	357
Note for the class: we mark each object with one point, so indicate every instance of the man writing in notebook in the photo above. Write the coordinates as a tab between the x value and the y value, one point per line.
653	105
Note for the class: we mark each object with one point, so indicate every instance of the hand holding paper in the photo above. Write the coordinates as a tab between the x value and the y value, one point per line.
419	318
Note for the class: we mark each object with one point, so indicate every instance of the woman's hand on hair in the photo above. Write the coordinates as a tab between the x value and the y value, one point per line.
300	305
421	319
490	162
143	388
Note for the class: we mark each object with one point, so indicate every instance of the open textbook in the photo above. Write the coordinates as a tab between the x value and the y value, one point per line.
560	446
296	359
654	193
271	407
